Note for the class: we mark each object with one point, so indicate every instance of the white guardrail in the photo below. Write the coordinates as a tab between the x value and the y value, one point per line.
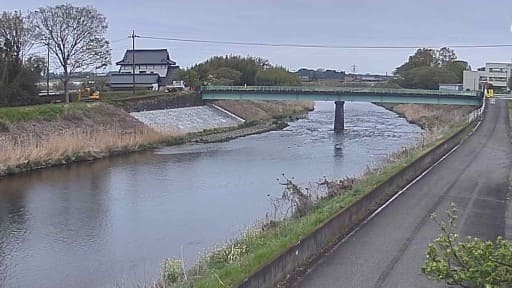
478	113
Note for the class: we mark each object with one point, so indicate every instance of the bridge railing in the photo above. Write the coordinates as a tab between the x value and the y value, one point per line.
308	89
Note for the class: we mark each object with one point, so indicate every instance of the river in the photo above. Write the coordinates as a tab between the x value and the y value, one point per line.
113	221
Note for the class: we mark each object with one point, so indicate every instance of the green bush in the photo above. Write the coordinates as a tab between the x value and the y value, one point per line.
470	263
173	271
4	126
276	77
236	70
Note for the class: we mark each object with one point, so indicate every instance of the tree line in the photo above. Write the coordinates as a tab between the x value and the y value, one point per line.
321	74
236	70
427	68
18	73
74	36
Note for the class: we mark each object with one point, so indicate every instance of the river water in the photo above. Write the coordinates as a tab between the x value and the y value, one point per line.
113	221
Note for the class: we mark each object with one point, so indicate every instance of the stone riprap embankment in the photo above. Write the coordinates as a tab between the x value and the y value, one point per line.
236	133
187	120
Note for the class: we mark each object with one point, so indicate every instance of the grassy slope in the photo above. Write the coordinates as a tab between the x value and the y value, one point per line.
44	112
265	110
38	136
117	97
430	116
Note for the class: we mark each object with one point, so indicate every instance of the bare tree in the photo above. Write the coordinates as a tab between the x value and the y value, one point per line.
75	36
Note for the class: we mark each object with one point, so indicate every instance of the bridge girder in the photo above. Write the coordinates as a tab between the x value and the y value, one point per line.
374	95
409	99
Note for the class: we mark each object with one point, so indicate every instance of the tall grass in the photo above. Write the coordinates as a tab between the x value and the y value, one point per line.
264	110
142	95
32	152
436	117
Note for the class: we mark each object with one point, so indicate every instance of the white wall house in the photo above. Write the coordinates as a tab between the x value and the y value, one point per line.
496	74
149	64
471	80
161	70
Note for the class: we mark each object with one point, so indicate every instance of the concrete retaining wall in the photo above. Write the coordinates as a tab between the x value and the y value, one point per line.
346	220
160	103
188	119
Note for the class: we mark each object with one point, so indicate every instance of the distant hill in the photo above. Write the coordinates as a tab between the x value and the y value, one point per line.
320	74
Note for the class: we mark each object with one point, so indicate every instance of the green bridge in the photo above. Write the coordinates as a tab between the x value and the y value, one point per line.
341	94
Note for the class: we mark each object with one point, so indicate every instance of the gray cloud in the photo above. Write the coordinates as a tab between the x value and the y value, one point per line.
362	22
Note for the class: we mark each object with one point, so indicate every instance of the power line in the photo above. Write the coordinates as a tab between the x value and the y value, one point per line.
119	40
325	46
133	36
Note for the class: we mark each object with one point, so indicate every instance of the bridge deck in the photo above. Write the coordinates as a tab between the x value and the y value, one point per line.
359	94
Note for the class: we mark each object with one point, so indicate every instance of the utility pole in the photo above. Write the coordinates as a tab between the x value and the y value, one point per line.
48	68
133	36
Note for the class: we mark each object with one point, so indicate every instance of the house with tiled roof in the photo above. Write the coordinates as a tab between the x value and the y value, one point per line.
154	68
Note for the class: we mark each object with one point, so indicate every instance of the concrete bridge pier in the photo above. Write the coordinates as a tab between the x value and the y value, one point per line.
339	116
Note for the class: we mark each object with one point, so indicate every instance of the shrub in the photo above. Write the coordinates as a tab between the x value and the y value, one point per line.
470	263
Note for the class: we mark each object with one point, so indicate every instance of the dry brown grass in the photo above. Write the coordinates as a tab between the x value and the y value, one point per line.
262	110
433	117
75	132
33	151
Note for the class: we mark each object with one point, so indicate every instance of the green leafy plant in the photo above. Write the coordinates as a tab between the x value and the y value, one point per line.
236	70
4	126
173	271
470	263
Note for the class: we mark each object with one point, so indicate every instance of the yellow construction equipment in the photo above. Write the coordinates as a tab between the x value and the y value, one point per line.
489	93
488	90
88	94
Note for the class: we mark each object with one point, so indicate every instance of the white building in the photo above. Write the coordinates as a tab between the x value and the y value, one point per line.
152	67
495	74
450	87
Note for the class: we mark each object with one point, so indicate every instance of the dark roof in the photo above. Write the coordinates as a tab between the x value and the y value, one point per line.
147	57
125	78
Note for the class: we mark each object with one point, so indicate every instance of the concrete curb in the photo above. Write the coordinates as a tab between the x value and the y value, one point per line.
508	211
508	208
227	112
309	249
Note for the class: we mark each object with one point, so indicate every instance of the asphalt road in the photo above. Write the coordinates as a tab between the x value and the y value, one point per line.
389	250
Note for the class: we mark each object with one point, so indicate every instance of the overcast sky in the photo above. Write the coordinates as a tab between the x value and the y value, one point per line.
361	22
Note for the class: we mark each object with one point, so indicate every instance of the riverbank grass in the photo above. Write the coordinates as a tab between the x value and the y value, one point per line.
45	112
72	146
235	261
40	136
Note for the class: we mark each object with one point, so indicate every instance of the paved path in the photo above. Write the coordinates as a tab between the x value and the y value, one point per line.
389	250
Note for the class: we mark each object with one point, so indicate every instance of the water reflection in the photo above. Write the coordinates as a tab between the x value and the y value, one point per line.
114	221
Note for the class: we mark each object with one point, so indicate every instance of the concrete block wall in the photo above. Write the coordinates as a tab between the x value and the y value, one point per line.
186	120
